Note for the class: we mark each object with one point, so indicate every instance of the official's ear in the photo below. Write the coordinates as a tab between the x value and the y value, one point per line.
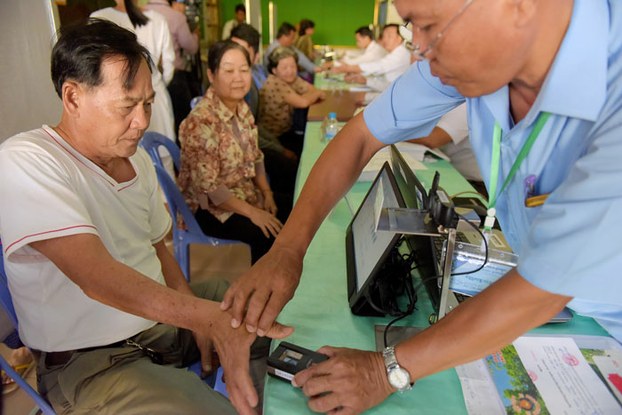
524	11
210	76
71	94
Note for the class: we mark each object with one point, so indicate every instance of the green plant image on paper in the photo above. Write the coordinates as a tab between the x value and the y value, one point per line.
516	388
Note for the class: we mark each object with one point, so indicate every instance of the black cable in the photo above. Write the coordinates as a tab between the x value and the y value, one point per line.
403	284
398	318
485	249
386	329
411	257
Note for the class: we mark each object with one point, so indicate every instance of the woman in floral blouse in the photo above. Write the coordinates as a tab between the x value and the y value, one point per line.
222	172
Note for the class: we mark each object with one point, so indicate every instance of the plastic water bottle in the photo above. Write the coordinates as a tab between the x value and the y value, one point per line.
331	127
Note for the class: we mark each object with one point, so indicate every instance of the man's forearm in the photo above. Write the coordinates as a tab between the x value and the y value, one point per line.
437	138
479	326
113	283
304	62
331	177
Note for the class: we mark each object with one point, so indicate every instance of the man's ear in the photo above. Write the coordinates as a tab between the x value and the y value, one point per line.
71	94
524	11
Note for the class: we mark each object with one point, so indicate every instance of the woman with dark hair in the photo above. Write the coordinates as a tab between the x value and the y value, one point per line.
282	92
152	32
304	41
222	169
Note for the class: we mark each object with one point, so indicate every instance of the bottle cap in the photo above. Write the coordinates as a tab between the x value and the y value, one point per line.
332	115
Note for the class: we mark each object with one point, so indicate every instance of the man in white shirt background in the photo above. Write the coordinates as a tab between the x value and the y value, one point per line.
369	49
379	74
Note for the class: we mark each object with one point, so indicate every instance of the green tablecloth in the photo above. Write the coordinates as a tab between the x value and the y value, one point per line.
320	313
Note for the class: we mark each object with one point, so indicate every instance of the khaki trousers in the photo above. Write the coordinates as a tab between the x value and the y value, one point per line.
124	380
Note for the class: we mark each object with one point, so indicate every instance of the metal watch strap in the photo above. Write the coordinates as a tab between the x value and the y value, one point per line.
390	360
391	364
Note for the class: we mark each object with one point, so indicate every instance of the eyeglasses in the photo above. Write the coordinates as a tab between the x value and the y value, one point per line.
406	31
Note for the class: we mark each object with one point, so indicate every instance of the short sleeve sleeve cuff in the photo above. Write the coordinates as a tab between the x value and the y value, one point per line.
396	116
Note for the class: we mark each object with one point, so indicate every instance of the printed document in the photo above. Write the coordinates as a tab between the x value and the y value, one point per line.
539	375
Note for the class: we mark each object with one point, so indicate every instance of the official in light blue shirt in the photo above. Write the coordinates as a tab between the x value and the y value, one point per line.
543	73
571	244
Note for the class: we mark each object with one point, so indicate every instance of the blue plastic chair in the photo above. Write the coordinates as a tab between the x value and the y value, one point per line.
7	304
152	142
192	234
194	101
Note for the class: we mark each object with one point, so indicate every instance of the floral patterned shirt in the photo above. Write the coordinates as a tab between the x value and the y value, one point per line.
275	115
219	156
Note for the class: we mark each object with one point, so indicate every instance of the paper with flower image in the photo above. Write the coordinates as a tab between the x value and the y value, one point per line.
546	375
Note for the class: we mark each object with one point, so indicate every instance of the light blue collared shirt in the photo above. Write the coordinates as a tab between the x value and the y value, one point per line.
570	245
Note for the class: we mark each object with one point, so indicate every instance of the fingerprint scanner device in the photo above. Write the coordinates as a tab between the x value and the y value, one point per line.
445	244
289	359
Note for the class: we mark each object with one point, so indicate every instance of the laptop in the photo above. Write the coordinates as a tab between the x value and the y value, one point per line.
446	264
367	250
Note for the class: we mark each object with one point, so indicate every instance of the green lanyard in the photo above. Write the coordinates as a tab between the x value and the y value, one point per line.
494	164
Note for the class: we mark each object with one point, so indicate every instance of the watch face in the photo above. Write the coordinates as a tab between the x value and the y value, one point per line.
399	378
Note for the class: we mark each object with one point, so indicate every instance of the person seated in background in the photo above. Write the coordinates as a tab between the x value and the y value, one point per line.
285	37
185	85
101	301
249	37
371	50
451	136
380	73
240	17
222	169
304	42
280	162
281	94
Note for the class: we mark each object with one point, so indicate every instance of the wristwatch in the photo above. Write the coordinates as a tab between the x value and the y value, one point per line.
398	377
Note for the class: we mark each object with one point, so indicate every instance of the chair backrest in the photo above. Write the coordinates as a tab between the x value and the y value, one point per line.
152	142
177	205
7	303
194	101
5	294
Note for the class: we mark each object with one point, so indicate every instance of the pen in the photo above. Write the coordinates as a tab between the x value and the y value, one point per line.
530	185
535	201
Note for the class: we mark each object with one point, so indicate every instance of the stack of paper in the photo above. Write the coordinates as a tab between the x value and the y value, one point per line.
414	154
546	375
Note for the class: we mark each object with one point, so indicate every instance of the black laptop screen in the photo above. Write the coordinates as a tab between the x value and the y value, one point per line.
416	197
366	248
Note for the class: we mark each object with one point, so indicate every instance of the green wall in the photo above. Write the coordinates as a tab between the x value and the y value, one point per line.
335	20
